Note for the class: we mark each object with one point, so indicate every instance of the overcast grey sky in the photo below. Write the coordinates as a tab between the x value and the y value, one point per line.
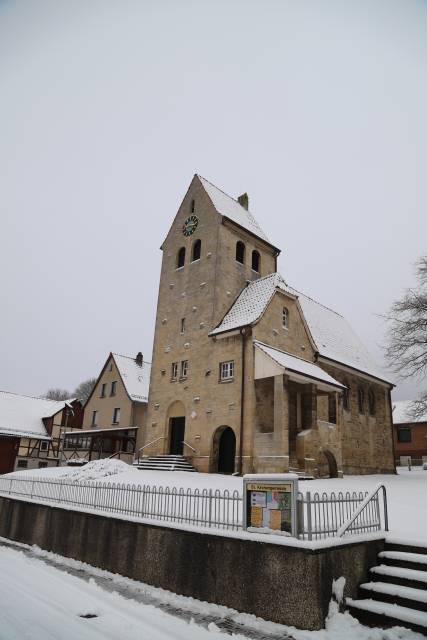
316	108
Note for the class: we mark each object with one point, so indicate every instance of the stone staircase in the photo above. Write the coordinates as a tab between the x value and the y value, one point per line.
397	592
164	463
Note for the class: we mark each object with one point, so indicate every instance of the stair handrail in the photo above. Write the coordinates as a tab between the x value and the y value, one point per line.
341	531
189	446
117	454
148	445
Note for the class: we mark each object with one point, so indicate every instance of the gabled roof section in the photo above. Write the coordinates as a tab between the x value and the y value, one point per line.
402	413
231	209
332	336
135	377
22	416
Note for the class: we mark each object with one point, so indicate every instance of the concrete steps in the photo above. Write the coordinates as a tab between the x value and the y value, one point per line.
164	463
397	592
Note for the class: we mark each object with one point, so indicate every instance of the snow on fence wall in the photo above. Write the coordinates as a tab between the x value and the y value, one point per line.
319	515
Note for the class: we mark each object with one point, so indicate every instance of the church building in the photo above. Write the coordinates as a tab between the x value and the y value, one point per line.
249	374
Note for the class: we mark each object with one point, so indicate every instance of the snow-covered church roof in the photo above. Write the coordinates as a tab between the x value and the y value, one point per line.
232	209
136	378
332	335
21	416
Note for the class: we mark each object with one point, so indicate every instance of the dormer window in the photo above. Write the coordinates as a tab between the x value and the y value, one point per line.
180	258
256	261
197	249
240	252
285	318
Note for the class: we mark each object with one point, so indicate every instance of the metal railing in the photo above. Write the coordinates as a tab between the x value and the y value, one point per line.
145	446
319	515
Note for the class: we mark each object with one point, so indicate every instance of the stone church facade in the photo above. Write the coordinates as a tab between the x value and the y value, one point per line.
248	374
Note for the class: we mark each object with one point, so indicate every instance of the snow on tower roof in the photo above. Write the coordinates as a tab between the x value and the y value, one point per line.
21	416
332	336
136	378
402	413
231	209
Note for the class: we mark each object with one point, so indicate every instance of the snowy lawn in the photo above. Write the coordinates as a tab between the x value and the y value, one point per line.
44	602
406	491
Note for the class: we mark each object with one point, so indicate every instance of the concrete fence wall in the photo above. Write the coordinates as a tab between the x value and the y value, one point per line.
289	585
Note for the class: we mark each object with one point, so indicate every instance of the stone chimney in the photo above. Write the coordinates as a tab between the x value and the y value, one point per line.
139	359
244	201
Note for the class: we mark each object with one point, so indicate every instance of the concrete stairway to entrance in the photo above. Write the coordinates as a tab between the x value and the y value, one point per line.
397	593
164	463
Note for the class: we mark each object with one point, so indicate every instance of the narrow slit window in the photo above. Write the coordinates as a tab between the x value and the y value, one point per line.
256	261
371	402
361	400
184	368
285	318
240	252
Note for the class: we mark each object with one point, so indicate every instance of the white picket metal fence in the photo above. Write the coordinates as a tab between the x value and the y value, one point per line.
320	515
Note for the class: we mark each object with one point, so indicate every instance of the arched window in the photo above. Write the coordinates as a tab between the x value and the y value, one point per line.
256	261
346	398
361	400
371	402
197	247
240	252
285	318
181	258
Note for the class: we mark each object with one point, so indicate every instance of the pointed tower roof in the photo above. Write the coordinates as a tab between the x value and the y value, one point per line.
230	208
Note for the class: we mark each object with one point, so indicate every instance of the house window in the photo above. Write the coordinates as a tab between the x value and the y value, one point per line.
42	465
182	325
104	390
174	371
285	318
226	370
361	400
94	418
180	261
113	388
197	249
22	464
371	402
184	368
193	206
240	252
44	445
256	261
116	415
346	398
404	435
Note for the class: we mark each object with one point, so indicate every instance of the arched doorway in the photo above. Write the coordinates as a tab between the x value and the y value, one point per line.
176	427
332	463
223	450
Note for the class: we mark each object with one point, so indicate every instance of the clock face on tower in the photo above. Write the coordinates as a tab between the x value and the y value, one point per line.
190	225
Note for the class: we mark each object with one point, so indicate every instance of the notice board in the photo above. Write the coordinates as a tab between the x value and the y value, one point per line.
270	503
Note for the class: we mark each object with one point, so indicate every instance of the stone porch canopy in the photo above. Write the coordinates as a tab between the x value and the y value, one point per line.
270	362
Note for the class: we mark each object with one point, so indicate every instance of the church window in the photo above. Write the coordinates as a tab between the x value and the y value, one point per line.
197	247
240	252
371	402
285	318
346	398
181	258
361	400
226	370
182	325
184	368
193	206
332	407
174	371
256	261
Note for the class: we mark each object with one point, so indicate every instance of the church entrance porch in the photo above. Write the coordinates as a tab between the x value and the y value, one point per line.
177	432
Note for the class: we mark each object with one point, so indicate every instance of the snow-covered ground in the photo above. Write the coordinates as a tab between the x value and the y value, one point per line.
46	597
406	491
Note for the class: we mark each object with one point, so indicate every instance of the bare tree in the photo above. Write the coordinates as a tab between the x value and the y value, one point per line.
407	335
84	390
57	394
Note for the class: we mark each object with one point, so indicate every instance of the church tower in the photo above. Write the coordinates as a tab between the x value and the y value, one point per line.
212	250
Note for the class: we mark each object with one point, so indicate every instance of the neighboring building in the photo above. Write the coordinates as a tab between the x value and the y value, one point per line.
113	412
410	435
249	374
31	430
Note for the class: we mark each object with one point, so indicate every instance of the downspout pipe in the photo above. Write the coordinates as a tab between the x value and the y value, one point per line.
242	400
